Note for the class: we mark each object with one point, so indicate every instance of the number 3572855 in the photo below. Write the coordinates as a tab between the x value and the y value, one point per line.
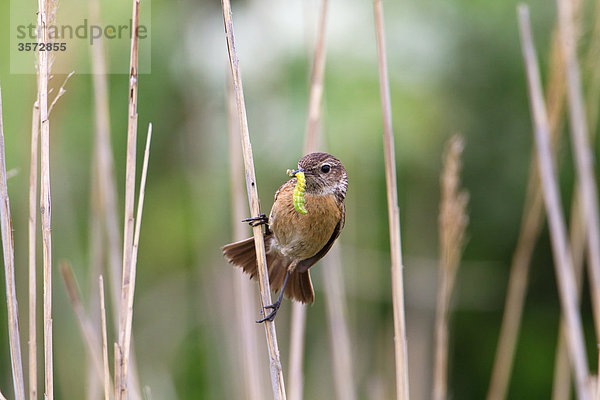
42	46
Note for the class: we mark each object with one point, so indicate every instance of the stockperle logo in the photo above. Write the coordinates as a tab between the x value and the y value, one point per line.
75	35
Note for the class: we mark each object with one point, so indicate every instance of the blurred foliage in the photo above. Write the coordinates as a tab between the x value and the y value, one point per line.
454	67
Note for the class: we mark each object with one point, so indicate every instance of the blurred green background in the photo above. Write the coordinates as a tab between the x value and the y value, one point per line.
455	66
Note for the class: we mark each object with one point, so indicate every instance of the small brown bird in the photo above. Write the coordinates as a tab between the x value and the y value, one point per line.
300	229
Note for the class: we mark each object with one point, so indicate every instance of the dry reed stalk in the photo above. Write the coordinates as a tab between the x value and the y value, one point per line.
33	182
563	264
126	346
592	59
107	383
579	226
316	87
45	198
596	381
245	301
116	361
311	141
270	331
96	262
582	152
33	185
531	225
562	378
561	383
295	373
106	179
341	349
122	355
104	162
401	352
453	221
339	335
8	252
88	330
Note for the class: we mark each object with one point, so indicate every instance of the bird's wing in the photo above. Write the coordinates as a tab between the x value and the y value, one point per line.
291	182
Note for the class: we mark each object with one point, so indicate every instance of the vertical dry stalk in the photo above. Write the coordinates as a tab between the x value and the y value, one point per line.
592	60
96	262
453	222
244	296
316	87
121	365
562	379
562	258
517	287
117	361
596	382
8	252
88	330
107	383
393	212
104	161
582	151
126	345
33	185
106	177
45	198
298	328
561	384
345	388
531	224
298	319
271	334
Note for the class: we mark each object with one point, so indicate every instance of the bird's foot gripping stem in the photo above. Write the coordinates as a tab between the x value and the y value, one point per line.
262	219
275	307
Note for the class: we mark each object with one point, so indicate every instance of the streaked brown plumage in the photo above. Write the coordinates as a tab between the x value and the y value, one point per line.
294	242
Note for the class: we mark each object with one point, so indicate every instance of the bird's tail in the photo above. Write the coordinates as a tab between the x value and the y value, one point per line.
243	255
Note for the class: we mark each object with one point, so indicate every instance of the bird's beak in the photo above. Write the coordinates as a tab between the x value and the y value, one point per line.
293	173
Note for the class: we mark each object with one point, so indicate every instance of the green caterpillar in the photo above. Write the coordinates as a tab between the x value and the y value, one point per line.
299	191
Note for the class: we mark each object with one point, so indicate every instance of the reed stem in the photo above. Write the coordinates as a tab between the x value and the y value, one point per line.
245	300
45	198
122	356
582	152
107	380
562	257
8	251
400	345
32	231
251	187
311	143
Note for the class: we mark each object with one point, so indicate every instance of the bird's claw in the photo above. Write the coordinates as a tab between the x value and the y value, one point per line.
275	307
262	219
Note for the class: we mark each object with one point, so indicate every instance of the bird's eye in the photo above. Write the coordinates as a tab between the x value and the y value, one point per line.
325	168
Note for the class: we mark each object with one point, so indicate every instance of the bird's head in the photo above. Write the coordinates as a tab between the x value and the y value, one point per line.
324	175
